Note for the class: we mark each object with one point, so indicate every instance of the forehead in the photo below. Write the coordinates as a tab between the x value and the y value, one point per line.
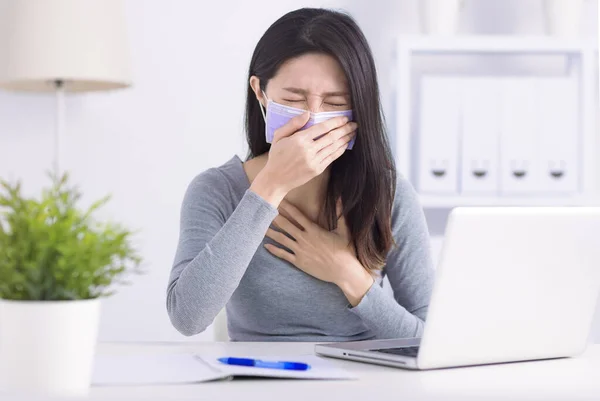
315	73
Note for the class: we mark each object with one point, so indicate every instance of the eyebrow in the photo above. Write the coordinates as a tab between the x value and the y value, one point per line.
303	92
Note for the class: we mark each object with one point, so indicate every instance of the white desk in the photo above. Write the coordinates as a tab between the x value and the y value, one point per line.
563	379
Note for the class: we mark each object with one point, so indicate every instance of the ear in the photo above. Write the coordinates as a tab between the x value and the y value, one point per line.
255	85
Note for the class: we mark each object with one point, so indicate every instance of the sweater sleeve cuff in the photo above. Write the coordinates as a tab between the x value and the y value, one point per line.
385	317
367	304
263	208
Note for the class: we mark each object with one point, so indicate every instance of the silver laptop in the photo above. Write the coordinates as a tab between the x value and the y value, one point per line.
513	284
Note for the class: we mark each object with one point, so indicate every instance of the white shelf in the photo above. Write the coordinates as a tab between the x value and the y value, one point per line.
582	61
494	44
449	202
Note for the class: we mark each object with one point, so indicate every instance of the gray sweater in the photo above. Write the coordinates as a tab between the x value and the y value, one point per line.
220	261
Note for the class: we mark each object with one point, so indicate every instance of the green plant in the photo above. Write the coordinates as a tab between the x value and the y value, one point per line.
52	250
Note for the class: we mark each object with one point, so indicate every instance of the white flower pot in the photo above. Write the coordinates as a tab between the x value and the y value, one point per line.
48	347
563	17
440	17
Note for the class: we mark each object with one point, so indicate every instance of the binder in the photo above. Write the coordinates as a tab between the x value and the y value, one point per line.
519	170
480	118
438	135
559	136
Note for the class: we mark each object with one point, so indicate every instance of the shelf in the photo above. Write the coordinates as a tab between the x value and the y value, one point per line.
449	202
581	63
494	44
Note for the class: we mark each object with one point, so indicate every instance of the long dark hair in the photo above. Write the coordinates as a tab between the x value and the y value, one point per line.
364	177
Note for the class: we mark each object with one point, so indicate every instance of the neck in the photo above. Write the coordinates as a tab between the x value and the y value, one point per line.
313	192
309	198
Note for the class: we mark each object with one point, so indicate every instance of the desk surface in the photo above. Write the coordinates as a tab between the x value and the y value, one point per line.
560	379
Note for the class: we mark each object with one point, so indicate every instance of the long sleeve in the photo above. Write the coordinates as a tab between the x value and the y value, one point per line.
409	268
214	250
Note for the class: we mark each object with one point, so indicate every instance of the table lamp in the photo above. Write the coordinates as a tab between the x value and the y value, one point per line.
64	46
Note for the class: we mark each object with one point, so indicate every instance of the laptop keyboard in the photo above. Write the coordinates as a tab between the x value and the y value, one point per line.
404	351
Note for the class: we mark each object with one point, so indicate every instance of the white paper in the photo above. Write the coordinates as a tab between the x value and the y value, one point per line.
126	370
319	368
152	369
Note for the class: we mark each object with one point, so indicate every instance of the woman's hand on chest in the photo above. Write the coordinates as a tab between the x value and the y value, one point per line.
326	255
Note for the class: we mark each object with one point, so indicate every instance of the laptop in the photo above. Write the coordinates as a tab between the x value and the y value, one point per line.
513	284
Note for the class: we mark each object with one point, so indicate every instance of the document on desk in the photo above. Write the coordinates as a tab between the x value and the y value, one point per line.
152	369
320	369
114	370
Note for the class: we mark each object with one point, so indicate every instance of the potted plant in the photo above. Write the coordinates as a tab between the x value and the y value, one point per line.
56	262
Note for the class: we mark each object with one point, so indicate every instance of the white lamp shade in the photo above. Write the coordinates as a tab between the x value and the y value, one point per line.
80	42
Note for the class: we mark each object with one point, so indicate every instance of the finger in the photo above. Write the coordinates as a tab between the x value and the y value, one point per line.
327	160
296	214
341	143
335	135
335	145
291	127
287	226
322	128
281	253
282	239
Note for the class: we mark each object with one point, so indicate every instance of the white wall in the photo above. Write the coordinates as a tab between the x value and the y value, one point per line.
184	115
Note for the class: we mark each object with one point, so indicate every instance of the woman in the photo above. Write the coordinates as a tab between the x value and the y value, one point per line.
296	240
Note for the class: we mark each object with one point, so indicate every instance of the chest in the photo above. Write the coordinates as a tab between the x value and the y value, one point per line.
275	297
272	281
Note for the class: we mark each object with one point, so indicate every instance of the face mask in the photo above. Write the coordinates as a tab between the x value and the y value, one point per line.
278	115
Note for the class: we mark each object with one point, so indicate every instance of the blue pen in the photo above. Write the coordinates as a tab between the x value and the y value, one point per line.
257	363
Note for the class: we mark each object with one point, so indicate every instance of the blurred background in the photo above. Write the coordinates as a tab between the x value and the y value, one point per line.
487	103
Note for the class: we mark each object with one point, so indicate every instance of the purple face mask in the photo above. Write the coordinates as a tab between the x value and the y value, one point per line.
278	115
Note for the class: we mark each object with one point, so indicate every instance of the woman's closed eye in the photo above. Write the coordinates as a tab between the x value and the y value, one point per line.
336	101
331	104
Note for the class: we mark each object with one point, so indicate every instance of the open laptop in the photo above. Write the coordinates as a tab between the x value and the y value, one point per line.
513	284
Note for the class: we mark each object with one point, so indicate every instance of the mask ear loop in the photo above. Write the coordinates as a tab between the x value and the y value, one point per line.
261	106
